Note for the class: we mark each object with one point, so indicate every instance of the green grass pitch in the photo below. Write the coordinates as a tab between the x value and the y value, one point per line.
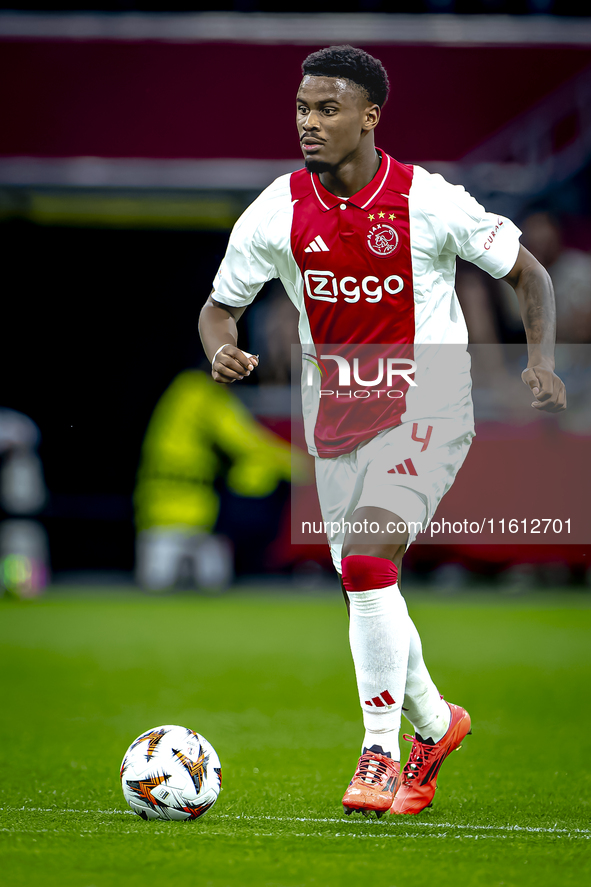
269	681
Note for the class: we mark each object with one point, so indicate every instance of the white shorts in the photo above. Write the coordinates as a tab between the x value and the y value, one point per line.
405	470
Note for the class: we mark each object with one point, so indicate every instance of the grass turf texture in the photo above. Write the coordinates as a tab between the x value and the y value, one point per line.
269	681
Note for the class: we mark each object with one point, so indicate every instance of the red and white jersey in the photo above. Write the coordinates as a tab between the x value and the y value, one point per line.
377	268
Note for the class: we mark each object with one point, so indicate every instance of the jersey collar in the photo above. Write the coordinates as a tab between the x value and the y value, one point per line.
363	199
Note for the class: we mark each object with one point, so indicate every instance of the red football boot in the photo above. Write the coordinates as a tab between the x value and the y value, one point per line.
419	777
373	786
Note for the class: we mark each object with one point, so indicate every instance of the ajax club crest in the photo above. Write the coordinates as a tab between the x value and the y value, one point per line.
382	239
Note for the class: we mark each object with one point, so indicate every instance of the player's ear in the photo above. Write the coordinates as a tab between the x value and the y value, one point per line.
371	117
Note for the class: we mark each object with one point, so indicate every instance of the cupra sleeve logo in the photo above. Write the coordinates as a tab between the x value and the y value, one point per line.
382	239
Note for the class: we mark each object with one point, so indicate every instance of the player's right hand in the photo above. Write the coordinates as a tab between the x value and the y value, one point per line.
231	363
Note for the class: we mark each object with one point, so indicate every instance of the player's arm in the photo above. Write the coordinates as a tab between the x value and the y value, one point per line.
533	287
219	335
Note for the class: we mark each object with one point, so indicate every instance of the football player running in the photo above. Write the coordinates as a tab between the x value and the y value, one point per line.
365	247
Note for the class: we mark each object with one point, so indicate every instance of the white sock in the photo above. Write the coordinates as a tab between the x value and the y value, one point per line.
423	706
379	635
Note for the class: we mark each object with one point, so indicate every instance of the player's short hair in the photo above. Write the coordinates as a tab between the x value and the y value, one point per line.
352	64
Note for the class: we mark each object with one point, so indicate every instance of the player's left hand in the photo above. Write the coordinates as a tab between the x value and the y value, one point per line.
547	387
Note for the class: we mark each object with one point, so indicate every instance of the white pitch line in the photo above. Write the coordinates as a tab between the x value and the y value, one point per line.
64	810
313	819
214	833
507	828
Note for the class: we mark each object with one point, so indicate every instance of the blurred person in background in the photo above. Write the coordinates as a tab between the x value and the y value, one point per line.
273	327
198	432
570	270
482	306
24	549
492	315
477	306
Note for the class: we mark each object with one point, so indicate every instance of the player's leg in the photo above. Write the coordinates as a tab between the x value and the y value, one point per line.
423	705
379	630
340	482
439	726
415	494
379	637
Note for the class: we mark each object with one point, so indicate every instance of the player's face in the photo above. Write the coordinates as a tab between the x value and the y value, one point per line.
333	115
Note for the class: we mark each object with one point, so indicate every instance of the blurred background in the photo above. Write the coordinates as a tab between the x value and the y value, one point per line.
133	135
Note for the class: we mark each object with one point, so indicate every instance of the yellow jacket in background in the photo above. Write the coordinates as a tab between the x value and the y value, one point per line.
198	430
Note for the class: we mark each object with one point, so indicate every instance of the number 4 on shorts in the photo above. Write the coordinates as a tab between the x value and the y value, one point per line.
424	440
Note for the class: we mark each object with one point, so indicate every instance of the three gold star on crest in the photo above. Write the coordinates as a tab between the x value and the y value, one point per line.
381	215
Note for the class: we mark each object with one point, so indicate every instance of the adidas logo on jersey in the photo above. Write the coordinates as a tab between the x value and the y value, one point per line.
317	246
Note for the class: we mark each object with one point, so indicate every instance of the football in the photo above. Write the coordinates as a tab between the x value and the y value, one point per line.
171	772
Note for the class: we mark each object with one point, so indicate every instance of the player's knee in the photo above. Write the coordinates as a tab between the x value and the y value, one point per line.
362	572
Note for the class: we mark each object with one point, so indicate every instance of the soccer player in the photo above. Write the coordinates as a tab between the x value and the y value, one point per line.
365	247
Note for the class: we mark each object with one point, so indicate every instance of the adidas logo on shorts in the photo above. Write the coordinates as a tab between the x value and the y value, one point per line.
400	469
